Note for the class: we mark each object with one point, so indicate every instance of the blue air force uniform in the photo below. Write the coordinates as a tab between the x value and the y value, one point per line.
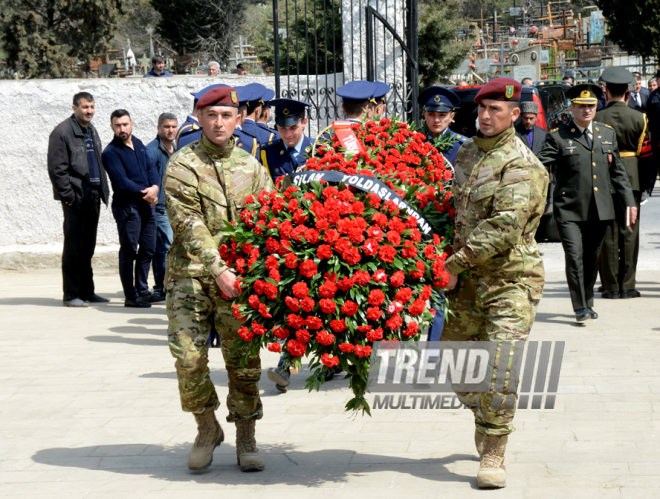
279	158
442	100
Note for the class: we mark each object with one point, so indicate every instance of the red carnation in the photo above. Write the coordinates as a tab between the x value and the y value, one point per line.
426	293
292	303
324	251
327	306
325	338
254	302
394	322
380	276
331	236
281	333
302	335
308	268
376	297
259	286
307	304
374	313
237	312
327	289
375	335
361	278
296	348
370	247
245	334
272	246
411	330
364	329
346	283
349	308
258	329
329	361
275	347
291	260
397	279
394	237
409	250
295	321
346	347
338	326
351	256
263	310
361	351
312	236
271	262
403	295
375	233
417	307
387	253
314	323
270	290
300	290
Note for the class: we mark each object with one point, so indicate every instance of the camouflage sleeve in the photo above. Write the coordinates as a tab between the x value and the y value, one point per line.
504	225
262	179
184	212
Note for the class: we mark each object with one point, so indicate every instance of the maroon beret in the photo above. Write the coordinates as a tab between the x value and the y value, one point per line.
506	89
219	96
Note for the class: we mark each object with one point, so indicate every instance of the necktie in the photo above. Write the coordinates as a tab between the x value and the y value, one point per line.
638	99
292	153
587	137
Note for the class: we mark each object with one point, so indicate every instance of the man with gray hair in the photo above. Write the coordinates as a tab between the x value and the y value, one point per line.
532	136
214	68
159	150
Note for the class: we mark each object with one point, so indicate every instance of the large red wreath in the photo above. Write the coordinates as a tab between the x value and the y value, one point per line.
327	270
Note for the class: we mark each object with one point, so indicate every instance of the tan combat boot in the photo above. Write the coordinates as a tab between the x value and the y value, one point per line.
209	436
479	439
247	454
491	472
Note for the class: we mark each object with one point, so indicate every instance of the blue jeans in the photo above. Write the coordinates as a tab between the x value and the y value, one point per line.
164	238
435	331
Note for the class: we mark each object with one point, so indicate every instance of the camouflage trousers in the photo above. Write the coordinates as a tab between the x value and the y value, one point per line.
487	308
191	303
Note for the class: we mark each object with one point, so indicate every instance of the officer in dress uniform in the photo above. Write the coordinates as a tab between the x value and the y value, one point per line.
357	98
440	106
290	152
618	259
245	94
263	120
588	169
255	106
190	131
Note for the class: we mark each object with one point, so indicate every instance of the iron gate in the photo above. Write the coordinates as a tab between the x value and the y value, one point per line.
321	44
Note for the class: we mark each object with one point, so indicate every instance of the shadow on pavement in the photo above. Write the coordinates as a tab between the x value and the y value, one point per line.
284	465
36	301
563	319
130	341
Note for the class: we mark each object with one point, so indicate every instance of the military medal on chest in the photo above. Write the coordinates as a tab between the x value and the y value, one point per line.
570	147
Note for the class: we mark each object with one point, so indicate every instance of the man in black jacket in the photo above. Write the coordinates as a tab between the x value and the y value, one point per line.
532	136
80	183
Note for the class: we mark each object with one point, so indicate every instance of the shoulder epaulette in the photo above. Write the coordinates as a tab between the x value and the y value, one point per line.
554	130
270	144
608	126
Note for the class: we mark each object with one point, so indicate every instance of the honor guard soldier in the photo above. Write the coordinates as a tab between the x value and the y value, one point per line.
357	99
585	157
204	184
618	258
190	131
290	152
263	120
496	270
440	106
244	96
254	107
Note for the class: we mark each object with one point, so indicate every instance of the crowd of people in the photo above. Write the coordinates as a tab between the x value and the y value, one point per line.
171	198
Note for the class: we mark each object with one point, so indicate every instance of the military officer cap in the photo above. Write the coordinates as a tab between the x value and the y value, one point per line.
438	99
288	112
219	96
617	76
358	91
258	92
505	89
529	107
204	91
382	89
268	96
245	94
584	93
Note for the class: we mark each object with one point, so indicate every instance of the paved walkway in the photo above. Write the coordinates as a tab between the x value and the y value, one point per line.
89	409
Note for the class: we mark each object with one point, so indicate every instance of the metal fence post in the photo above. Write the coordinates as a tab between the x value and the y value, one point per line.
276	51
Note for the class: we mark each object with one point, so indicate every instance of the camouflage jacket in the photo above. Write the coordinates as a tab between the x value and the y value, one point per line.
499	193
204	186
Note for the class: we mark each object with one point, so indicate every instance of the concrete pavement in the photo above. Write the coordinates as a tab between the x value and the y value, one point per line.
89	409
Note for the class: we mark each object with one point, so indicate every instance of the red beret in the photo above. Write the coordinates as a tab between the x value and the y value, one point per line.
506	89
219	96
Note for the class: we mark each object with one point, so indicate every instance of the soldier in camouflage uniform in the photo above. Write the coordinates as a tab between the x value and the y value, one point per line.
206	183
499	193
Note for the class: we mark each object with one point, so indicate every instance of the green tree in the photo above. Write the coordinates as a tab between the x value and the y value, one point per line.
46	38
440	50
634	25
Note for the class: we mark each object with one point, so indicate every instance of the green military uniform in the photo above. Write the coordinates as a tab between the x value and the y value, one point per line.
588	171
204	186
499	191
618	258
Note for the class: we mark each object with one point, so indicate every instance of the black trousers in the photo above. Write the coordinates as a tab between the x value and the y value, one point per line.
618	259
80	224
582	242
137	246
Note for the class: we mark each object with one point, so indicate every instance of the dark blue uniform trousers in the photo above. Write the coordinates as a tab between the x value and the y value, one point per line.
137	246
435	331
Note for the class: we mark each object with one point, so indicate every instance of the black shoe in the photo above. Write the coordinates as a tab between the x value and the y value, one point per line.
328	375
601	289
593	314
582	315
96	299
631	293
137	303
152	298
611	295
76	303
281	377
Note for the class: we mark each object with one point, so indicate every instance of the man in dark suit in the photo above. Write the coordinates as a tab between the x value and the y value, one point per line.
618	260
80	183
639	96
532	136
588	170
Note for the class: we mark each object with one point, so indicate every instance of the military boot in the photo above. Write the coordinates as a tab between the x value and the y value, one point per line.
491	471
479	439
209	436
247	454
